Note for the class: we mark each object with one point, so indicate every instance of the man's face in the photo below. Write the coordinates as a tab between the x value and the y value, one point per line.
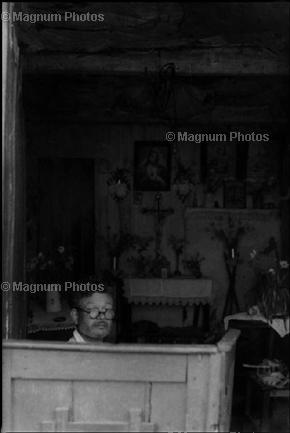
95	328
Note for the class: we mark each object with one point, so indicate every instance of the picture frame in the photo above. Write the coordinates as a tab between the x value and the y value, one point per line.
234	194
152	166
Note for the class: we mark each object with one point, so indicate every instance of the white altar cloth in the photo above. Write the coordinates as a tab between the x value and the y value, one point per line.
168	291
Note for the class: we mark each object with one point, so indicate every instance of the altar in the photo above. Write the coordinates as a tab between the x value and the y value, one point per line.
168	301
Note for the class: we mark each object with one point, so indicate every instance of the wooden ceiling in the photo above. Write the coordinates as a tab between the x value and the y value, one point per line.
200	38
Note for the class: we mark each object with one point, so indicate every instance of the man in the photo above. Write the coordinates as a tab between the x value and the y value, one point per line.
93	314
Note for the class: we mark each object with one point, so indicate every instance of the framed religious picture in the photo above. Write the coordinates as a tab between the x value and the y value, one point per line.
152	166
234	194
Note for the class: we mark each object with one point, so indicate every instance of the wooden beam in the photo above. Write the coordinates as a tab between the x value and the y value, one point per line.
13	303
214	61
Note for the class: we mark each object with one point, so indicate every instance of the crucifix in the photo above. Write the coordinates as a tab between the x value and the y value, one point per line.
159	218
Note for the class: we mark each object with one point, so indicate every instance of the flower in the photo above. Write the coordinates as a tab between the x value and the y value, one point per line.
284	264
272	271
253	254
50	266
119	183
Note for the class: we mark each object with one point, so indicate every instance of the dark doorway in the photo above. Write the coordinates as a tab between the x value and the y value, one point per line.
66	209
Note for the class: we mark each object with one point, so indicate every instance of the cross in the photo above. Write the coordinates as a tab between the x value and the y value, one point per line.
159	216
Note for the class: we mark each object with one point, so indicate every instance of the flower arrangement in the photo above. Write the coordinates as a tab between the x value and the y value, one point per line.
144	265
177	245
231	236
148	266
50	267
119	243
183	181
193	265
158	263
119	184
273	290
55	267
141	265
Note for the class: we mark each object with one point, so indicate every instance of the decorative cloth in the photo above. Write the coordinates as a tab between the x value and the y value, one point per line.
280	325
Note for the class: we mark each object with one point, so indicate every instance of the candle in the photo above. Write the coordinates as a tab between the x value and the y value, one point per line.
233	253
114	263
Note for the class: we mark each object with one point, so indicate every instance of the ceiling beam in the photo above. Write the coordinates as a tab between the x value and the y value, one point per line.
218	61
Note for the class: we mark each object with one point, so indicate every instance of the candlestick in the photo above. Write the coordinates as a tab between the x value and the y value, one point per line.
233	253
114	263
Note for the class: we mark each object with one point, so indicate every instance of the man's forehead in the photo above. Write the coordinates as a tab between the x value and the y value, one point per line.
97	298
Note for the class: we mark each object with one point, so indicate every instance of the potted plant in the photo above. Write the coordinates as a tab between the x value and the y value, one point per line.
141	263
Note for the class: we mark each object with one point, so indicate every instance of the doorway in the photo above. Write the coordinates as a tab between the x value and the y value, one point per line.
66	210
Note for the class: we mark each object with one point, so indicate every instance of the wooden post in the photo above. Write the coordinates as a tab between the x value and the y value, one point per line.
14	304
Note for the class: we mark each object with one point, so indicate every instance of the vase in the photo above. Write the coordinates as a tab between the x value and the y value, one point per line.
53	302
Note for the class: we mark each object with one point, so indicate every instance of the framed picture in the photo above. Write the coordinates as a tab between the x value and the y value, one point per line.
234	194
152	166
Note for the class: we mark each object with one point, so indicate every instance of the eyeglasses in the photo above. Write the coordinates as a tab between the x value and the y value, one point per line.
108	313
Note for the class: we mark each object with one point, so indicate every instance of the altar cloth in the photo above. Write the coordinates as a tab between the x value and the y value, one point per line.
168	291
44	321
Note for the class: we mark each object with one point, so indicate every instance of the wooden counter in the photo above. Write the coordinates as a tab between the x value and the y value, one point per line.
173	387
